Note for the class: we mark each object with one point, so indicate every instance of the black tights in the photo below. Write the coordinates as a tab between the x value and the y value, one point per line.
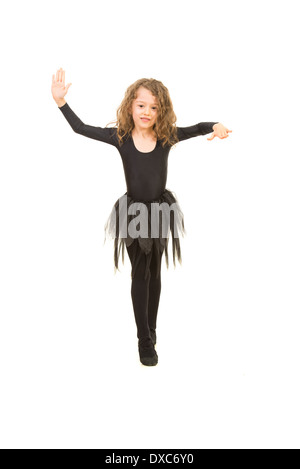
145	294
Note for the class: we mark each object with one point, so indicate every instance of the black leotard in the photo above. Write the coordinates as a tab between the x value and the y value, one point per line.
145	173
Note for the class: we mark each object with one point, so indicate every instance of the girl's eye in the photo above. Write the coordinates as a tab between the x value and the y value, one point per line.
141	105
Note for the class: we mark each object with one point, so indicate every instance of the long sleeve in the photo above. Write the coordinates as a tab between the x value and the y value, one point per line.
104	134
202	128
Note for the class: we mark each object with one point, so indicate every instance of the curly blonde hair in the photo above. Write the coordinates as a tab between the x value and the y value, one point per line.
164	128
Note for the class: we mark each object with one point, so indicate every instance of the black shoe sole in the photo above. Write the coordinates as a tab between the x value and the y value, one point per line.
149	361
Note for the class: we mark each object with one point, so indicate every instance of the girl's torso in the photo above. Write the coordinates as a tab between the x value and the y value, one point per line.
145	171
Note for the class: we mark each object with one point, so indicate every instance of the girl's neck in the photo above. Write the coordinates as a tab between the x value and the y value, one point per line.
143	134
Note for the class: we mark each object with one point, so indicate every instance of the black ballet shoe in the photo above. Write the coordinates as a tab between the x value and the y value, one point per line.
153	336
148	355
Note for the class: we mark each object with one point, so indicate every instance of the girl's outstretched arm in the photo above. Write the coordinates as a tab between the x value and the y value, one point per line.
59	90
202	128
104	134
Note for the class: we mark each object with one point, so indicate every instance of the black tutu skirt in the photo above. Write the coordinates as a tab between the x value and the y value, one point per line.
149	225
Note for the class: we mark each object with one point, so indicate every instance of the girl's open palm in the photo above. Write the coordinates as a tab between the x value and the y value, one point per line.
58	88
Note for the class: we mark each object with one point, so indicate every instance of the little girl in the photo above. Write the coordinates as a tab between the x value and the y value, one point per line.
144	133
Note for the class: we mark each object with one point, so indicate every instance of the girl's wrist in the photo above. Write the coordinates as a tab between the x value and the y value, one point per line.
60	102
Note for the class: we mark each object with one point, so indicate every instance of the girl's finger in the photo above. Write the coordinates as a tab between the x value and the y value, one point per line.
63	77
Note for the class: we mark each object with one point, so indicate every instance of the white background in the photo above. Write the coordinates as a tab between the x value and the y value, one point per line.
228	321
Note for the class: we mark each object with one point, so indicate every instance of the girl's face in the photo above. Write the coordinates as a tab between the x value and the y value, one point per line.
144	109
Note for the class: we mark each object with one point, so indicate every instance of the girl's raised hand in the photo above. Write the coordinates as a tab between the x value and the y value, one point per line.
219	131
58	88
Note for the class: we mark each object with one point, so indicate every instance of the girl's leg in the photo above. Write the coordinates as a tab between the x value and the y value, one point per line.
140	301
139	291
154	291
